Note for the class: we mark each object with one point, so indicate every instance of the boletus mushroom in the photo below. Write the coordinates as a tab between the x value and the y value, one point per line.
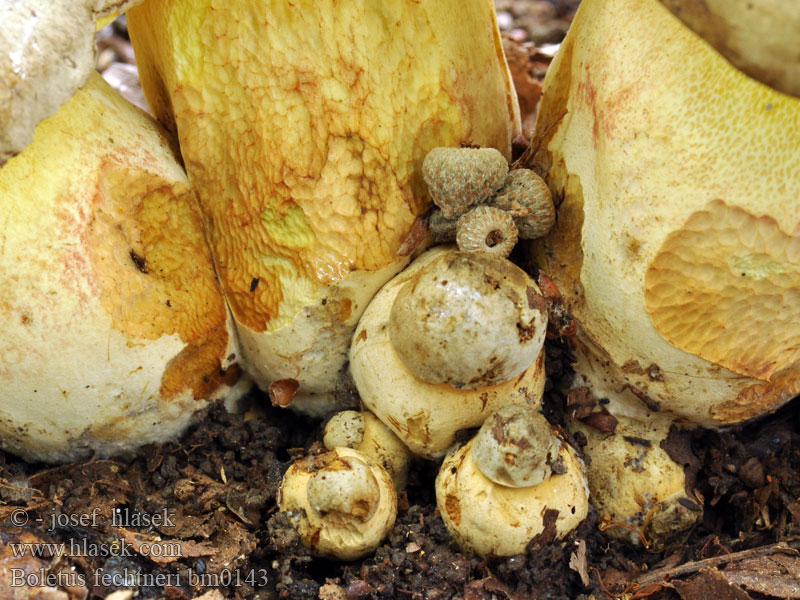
509	483
115	330
341	503
677	242
303	126
448	341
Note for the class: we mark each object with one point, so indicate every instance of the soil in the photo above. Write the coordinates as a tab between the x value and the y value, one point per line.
200	514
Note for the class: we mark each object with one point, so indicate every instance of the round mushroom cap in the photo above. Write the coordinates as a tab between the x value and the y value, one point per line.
344	429
496	520
345	489
341	503
364	432
468	320
515	447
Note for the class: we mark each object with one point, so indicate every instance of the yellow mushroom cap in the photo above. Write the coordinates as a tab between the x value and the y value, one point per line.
341	503
495	520
426	416
115	330
304	126
677	246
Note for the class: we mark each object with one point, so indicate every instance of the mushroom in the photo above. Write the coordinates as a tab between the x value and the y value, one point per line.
341	503
306	151
757	36
445	343
514	478
363	431
676	244
115	330
46	54
639	491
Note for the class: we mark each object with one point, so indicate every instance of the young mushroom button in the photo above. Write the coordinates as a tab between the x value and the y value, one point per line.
503	488
364	432
341	503
466	320
446	343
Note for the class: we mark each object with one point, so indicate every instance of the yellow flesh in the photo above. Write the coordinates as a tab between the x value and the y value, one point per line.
303	126
676	242
114	322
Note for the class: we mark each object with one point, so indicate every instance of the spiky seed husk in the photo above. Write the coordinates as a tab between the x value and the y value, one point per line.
487	229
459	178
527	198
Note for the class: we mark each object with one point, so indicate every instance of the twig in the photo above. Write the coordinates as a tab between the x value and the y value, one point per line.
665	574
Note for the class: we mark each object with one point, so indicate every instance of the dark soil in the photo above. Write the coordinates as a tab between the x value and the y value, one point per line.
218	488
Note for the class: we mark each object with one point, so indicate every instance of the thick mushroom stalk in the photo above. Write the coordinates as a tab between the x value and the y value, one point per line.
115	330
447	342
676	245
341	503
304	126
501	490
46	53
364	432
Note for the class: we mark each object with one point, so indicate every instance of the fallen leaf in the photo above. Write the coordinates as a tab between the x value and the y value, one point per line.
164	551
775	575
709	583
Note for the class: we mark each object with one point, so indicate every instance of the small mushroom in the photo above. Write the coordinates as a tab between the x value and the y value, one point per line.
445	343
364	432
639	491
341	503
514	478
468	320
459	178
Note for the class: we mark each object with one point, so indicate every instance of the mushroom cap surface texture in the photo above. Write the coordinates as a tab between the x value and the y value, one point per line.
469	320
366	433
757	36
303	126
426	416
115	330
341	503
516	447
495	520
636	487
677	243
46	53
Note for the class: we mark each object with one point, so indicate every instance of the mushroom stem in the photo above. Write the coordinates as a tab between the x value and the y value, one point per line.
500	519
